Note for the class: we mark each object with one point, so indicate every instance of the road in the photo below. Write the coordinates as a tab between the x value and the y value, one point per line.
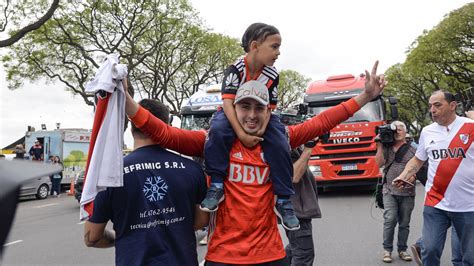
48	232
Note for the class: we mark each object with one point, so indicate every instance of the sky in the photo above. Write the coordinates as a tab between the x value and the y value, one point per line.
319	39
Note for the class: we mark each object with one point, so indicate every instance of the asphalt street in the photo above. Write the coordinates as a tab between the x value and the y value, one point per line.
48	232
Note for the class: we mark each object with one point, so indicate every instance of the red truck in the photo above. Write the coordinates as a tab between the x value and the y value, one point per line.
347	156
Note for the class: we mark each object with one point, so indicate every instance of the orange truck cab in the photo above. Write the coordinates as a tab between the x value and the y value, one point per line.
347	156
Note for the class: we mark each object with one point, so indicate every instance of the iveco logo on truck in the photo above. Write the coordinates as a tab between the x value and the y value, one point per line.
345	140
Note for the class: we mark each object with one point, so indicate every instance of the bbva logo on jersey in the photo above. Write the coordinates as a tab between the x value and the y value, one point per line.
248	174
452	153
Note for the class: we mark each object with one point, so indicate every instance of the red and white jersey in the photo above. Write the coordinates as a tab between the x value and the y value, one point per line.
450	152
244	228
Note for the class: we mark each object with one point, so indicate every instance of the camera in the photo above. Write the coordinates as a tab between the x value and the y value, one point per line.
386	134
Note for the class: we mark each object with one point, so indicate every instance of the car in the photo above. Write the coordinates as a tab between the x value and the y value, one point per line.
38	187
78	185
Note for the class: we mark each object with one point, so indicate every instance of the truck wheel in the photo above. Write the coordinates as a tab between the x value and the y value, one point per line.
43	192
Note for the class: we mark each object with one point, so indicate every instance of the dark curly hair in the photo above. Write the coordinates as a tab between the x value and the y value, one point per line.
257	32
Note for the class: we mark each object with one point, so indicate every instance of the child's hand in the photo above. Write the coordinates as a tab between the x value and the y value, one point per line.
249	140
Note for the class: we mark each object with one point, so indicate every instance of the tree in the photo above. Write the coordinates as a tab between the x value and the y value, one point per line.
441	58
448	48
169	55
291	88
8	13
412	93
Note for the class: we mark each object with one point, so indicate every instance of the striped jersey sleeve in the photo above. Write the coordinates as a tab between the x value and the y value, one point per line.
236	75
232	79
271	79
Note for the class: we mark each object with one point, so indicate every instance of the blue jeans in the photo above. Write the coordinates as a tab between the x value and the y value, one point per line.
455	248
435	225
456	254
397	210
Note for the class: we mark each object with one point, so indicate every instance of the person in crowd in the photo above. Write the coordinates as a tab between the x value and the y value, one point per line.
447	145
398	203
455	245
19	152
36	151
261	43
56	178
244	228
300	249
156	212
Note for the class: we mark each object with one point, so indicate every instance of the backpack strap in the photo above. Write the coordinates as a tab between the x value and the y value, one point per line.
398	158
401	152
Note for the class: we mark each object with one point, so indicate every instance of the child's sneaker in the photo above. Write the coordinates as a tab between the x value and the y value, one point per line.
214	196
203	241
285	211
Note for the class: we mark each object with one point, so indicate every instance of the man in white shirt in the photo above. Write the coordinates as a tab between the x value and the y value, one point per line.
447	145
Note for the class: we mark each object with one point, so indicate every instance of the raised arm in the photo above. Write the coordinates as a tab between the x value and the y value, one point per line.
187	142
330	118
318	125
374	85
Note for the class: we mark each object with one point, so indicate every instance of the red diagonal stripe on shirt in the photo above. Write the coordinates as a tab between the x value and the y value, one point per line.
100	112
447	167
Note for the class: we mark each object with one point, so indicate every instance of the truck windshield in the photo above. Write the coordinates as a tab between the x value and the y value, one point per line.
371	112
196	122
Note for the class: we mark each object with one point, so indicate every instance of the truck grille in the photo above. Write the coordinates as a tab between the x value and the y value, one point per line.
355	161
350	146
344	155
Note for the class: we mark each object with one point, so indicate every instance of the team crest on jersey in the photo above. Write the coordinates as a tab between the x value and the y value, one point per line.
232	81
155	188
464	138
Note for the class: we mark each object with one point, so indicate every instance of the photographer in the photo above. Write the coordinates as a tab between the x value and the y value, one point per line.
398	202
